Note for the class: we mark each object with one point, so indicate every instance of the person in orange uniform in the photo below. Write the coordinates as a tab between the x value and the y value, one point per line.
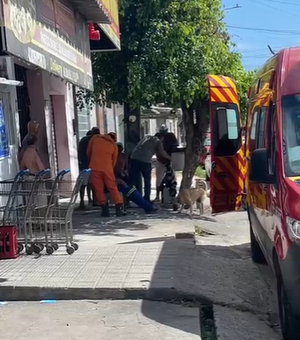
103	153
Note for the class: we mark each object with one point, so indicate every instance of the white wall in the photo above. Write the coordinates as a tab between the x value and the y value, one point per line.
72	141
93	117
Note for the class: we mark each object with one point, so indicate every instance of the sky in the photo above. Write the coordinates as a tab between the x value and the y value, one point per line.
258	23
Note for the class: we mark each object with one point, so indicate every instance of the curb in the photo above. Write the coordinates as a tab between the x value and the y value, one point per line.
46	293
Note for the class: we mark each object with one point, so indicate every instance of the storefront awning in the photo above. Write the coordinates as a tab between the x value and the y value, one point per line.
91	10
4	81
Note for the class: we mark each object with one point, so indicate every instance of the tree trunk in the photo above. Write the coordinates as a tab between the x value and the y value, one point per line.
132	134
196	121
132	128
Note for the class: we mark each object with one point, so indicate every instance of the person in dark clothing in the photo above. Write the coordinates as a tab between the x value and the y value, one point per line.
141	159
170	143
84	164
121	167
130	193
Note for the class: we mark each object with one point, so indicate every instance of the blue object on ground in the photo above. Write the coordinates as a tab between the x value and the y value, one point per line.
48	301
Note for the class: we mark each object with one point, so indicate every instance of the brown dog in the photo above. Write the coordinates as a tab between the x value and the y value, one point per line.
188	197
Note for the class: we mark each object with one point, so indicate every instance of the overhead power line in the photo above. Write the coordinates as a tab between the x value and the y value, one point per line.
267	30
275	8
284	2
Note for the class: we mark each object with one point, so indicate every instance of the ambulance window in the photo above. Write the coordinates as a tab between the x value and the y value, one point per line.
261	128
227	128
253	127
222	124
291	134
232	124
227	124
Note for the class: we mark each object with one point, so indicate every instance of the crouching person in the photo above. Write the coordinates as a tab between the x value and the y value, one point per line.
129	191
132	194
102	153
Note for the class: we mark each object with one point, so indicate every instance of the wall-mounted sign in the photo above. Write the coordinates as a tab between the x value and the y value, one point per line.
4	150
112	30
50	35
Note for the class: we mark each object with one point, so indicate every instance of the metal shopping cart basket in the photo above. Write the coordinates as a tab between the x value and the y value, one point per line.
35	229
9	190
56	219
26	198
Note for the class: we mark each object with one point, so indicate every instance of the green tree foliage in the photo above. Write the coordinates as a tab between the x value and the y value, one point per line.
168	48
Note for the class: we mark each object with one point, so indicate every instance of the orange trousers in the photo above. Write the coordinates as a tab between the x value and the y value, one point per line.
102	179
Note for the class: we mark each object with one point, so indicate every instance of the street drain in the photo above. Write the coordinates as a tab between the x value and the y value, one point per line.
207	323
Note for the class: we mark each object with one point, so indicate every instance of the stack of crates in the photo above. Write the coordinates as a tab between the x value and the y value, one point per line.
8	242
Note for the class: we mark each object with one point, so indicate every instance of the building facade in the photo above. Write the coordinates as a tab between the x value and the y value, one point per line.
46	54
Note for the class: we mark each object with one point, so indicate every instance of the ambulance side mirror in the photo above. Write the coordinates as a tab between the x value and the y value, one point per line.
259	167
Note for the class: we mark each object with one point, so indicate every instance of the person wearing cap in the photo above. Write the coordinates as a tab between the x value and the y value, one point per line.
169	143
102	153
84	164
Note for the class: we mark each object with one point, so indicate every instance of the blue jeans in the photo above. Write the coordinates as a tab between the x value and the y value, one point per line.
138	168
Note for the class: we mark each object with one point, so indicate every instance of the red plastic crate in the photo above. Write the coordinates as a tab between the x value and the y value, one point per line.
8	242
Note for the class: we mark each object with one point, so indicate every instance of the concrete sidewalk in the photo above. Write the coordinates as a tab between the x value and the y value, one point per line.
138	257
134	257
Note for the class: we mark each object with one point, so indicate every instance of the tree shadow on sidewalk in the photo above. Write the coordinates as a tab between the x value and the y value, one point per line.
220	275
91	223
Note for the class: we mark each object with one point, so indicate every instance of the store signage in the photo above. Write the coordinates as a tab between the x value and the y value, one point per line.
112	30
50	35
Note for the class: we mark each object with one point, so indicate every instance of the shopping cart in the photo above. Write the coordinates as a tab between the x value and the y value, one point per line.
9	190
35	224
55	222
26	198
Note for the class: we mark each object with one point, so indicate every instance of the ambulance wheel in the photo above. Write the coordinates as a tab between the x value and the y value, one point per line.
256	252
288	320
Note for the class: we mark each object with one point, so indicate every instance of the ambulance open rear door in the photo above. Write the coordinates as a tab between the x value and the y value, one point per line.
227	150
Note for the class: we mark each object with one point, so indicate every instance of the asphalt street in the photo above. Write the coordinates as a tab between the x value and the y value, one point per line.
94	320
